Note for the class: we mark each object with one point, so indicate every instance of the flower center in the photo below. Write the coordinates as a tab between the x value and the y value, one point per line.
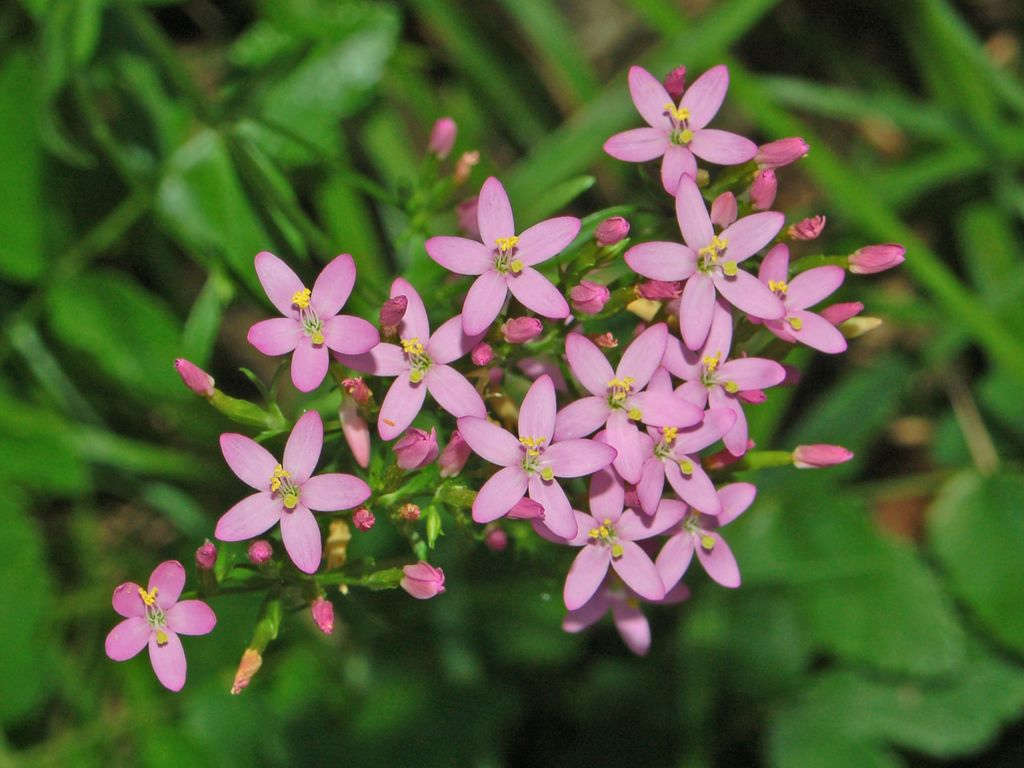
679	122
307	316
619	390
709	378
710	256
778	287
692	524
504	259
605	534
664	446
418	359
281	484
533	448
154	614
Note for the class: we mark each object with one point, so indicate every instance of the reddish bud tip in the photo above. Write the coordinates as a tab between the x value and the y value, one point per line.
393	310
876	258
422	580
763	189
840	313
724	210
247	667
775	154
808	229
482	354
442	137
206	556
659	290
409	511
519	330
605	340
675	83
363	519
589	298
496	540
454	456
195	378
612	230
752	396
323	614
820	455
357	390
416	448
260	552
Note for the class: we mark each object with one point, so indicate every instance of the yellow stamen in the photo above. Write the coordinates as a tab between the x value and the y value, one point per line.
547	474
506	244
795	323
732	387
711	363
594	533
778	286
532	445
685	136
635	414
620	388
291	500
148	597
516	266
616	550
603	532
412	346
708	542
317	336
686	467
280	474
415	375
161	637
301	298
668	434
715	248
678	114
730	268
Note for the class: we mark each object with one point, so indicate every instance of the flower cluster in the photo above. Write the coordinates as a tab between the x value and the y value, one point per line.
602	445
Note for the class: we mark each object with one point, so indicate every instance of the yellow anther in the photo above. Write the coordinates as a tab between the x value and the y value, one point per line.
279	476
161	637
685	136
547	474
730	268
506	244
606	522
532	445
795	323
732	387
778	286
594	533
711	363
635	414
604	532
715	248
616	550
317	336
291	499
620	388
148	597
301	298
668	434
412	347
707	541
516	266
415	375
686	467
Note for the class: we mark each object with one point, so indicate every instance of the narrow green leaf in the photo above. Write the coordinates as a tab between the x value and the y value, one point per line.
203	322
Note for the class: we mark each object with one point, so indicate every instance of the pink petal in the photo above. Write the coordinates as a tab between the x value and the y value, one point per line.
722	147
382	360
127	600
735	498
665	409
705	95
581	418
750	234
301	537
333	491
632	627
534	291
638	145
127	638
494	213
696	488
333	286
681	362
414	323
401	404
719	339
588	364
634	527
537	412
643	356
736	438
168	661
674	559
302	451
587	614
459	255
697	307
817	332
629	443
585	575
810	287
676	163
534	367
499	494
168	579
752	372
350	335
660	380
251	462
577	458
450	341
719	562
693	392
453	392
491	442
309	365
746	292
250	517
636	569
662	260
775	265
584	523
692	214
607	495
558	514
651	485
650	97
279	282
191	617
715	424
546	239
483	302
276	336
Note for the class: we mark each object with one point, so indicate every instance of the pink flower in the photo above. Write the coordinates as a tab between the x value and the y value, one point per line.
195	378
617	397
363	519
820	455
782	152
711	377
422	580
442	137
526	509
807	229
519	330
763	189
504	261
724	210
710	262
420	365
589	298
393	310
260	552
311	324
807	288
355	431
206	556
357	389
454	456
699	533
532	462
675	83
676	134
323	614
416	448
876	258
611	231
155	617
285	492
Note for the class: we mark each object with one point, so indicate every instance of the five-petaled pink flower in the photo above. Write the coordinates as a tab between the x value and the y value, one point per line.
155	617
617	397
532	462
420	365
311	324
709	263
285	491
677	133
505	261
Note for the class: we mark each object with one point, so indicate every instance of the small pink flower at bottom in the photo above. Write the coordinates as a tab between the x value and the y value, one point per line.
422	580
155	617
286	492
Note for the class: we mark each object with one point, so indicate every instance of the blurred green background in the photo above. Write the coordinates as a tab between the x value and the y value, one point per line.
149	149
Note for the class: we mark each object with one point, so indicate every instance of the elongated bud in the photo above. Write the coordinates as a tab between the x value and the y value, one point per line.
611	231
496	540
519	330
763	189
605	340
723	458
675	83
260	552
526	509
589	298
422	580
752	396
876	258
336	546
723	210
442	137
323	614
392	311
206	556
195	378
416	448
840	313
247	668
356	389
465	212
482	354
659	290
858	326
356	432
454	456
775	154
464	166
820	455
363	519
792	377
808	229
409	511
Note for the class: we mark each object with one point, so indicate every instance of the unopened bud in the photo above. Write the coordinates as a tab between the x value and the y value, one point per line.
820	455
723	210
605	340
464	166
206	556
416	448
195	378
589	298
876	258
442	137
496	540
526	509
752	396
363	519
357	390
454	456
323	614
611	230
763	189
409	511
858	326
465	212
659	290
336	547
840	313
675	83
260	552
519	330
392	311
482	354
356	432
808	229
249	666
775	154
422	580
723	458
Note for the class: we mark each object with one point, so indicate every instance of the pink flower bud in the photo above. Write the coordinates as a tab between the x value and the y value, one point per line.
782	152
416	448
793	375
357	390
612	230
464	166
659	290
247	667
206	556
675	83
323	614
422	580
363	519
723	210
752	396
723	458
482	354
605	340
442	137
465	212
454	456
631	498
589	298
260	552
409	511
356	432
808	229
820	455
763	189
393	310
496	540
876	258
840	313
519	330
526	509
195	378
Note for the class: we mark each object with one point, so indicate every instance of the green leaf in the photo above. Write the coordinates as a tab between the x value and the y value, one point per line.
991	254
552	201
203	322
976	529
36	450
